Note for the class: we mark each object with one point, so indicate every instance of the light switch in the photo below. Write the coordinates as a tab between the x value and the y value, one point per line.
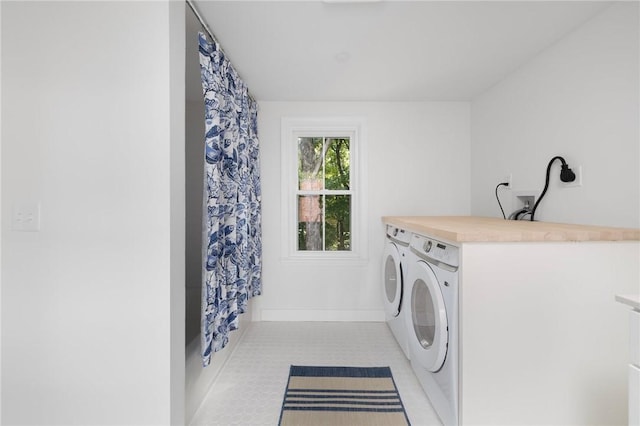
26	217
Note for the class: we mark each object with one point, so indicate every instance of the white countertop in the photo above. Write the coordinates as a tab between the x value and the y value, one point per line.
632	300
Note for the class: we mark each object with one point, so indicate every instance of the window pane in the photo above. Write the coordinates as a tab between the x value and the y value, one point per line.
338	222
310	173
310	222
337	161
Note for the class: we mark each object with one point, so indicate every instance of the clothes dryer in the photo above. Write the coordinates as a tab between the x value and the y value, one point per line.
432	322
394	278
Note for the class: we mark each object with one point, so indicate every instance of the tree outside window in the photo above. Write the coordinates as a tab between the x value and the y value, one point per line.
324	194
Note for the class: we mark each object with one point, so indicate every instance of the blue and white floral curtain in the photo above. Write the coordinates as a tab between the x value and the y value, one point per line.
232	210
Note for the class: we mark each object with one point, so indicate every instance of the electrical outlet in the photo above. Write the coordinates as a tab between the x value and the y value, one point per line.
525	199
577	182
509	180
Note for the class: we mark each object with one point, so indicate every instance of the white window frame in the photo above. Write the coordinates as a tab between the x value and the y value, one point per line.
294	127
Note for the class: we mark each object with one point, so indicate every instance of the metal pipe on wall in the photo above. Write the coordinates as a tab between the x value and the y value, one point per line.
205	27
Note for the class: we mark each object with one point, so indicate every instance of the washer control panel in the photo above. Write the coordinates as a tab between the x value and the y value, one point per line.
398	235
435	250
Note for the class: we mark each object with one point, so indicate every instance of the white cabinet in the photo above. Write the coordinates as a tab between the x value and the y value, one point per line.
634	337
540	339
634	394
634	357
634	368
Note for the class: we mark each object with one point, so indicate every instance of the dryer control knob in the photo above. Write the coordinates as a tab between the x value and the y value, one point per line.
395	232
427	246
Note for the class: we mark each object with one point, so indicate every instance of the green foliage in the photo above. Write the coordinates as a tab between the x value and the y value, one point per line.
338	233
336	164
333	169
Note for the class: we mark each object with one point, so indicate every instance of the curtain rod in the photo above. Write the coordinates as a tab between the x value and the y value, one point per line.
213	37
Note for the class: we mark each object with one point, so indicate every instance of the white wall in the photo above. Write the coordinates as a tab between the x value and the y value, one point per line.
194	152
1	209
177	176
578	99
93	304
417	164
194	156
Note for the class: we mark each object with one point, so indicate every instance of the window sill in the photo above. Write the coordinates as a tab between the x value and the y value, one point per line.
326	259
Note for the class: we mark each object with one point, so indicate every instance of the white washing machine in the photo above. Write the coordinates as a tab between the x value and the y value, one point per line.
432	322
394	279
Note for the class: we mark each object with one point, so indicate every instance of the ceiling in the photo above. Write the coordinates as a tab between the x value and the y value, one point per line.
387	50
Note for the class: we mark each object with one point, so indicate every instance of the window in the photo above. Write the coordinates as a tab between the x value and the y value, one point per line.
323	188
324	193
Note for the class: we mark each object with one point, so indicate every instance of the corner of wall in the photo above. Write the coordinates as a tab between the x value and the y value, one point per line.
176	33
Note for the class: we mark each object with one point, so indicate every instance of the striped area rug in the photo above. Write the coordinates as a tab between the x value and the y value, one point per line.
342	396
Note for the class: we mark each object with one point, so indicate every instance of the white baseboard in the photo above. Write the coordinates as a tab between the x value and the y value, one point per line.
198	379
321	315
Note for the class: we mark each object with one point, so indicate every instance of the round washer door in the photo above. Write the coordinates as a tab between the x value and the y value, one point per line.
428	318
391	280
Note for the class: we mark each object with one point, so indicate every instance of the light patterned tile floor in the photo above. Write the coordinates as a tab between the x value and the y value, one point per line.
250	387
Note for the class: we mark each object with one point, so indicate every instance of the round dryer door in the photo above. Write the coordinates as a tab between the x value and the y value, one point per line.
391	280
428	328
